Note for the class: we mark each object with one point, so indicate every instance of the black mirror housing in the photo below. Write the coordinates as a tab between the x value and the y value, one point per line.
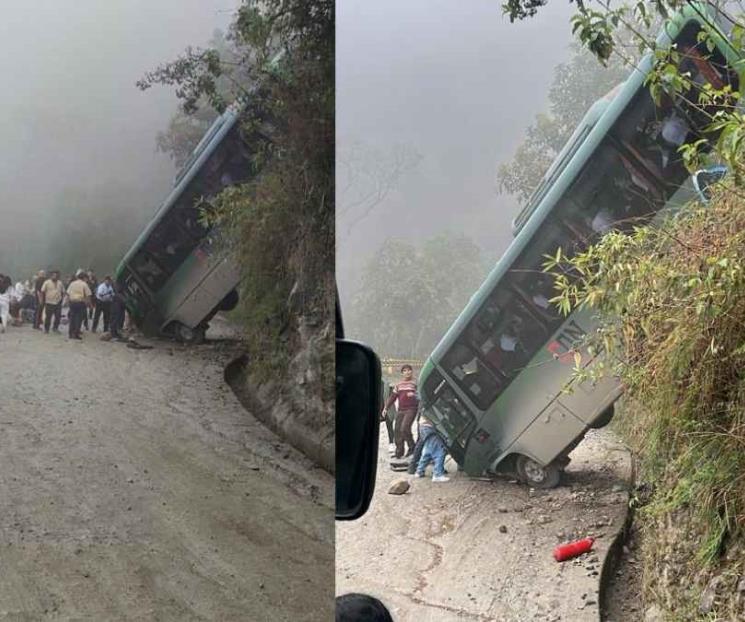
358	406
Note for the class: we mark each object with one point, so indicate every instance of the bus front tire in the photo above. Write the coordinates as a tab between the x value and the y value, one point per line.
230	301
187	335
537	476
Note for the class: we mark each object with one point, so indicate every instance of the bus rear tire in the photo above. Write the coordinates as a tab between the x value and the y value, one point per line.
603	419
537	476
230	301
189	336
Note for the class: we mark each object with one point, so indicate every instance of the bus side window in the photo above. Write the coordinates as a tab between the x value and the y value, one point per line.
169	244
149	270
508	343
608	194
472	375
527	277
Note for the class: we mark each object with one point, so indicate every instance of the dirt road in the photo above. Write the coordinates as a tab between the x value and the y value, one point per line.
482	550
134	486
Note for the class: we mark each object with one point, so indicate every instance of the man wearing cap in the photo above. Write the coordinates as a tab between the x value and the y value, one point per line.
79	295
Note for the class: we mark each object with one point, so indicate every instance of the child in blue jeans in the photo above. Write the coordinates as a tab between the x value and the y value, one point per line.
434	450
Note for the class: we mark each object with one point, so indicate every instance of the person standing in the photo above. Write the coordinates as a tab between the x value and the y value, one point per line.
433	450
93	284
4	302
79	295
117	313
103	298
405	392
41	277
52	293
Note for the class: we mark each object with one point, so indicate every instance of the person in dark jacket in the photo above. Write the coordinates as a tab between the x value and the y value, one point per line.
117	312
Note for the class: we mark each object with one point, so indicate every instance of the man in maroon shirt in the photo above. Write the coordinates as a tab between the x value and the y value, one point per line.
408	402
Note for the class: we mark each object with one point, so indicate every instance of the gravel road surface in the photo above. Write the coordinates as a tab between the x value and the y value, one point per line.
481	550
134	486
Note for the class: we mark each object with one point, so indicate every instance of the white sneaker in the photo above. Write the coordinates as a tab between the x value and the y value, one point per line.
418	474
440	478
392	448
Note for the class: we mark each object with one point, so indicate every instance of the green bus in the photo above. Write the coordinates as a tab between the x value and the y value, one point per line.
499	387
172	278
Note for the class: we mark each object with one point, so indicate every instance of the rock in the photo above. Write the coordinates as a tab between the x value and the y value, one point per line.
105	337
399	487
653	614
503	529
710	593
618	488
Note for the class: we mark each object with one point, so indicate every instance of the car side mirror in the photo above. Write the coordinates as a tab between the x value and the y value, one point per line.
705	178
358	406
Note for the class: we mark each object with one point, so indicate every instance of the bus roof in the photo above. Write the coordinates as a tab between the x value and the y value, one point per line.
568	171
204	149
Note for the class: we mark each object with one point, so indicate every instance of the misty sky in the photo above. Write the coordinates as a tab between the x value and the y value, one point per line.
456	83
71	116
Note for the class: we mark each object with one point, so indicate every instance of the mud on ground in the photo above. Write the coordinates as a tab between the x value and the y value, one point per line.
134	486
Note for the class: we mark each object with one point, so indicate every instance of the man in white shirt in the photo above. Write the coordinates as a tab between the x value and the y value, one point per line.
104	296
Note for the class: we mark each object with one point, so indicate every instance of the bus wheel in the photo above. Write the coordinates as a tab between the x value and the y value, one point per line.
603	419
191	336
230	301
537	476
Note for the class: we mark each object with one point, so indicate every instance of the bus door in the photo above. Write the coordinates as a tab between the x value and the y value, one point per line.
221	271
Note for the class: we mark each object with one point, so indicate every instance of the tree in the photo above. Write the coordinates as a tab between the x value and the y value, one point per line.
409	295
576	85
366	175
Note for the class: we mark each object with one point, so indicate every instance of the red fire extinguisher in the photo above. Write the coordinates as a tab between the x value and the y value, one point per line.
572	549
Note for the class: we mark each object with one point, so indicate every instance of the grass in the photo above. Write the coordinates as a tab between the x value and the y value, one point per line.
674	311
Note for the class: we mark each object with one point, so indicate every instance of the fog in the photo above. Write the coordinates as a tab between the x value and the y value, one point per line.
74	127
453	82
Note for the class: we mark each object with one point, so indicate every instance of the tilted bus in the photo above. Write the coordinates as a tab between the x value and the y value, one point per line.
174	277
499	386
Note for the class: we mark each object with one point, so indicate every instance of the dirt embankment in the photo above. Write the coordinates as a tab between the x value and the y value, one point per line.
134	486
297	404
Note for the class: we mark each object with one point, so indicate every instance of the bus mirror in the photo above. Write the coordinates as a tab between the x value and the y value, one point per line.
358	406
705	178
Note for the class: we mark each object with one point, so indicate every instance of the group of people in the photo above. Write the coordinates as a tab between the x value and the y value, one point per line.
41	300
429	447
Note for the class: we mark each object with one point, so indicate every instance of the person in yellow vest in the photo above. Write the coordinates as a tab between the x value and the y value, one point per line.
79	297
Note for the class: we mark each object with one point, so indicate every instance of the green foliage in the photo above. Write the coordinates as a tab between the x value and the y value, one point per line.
670	300
410	295
576	85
